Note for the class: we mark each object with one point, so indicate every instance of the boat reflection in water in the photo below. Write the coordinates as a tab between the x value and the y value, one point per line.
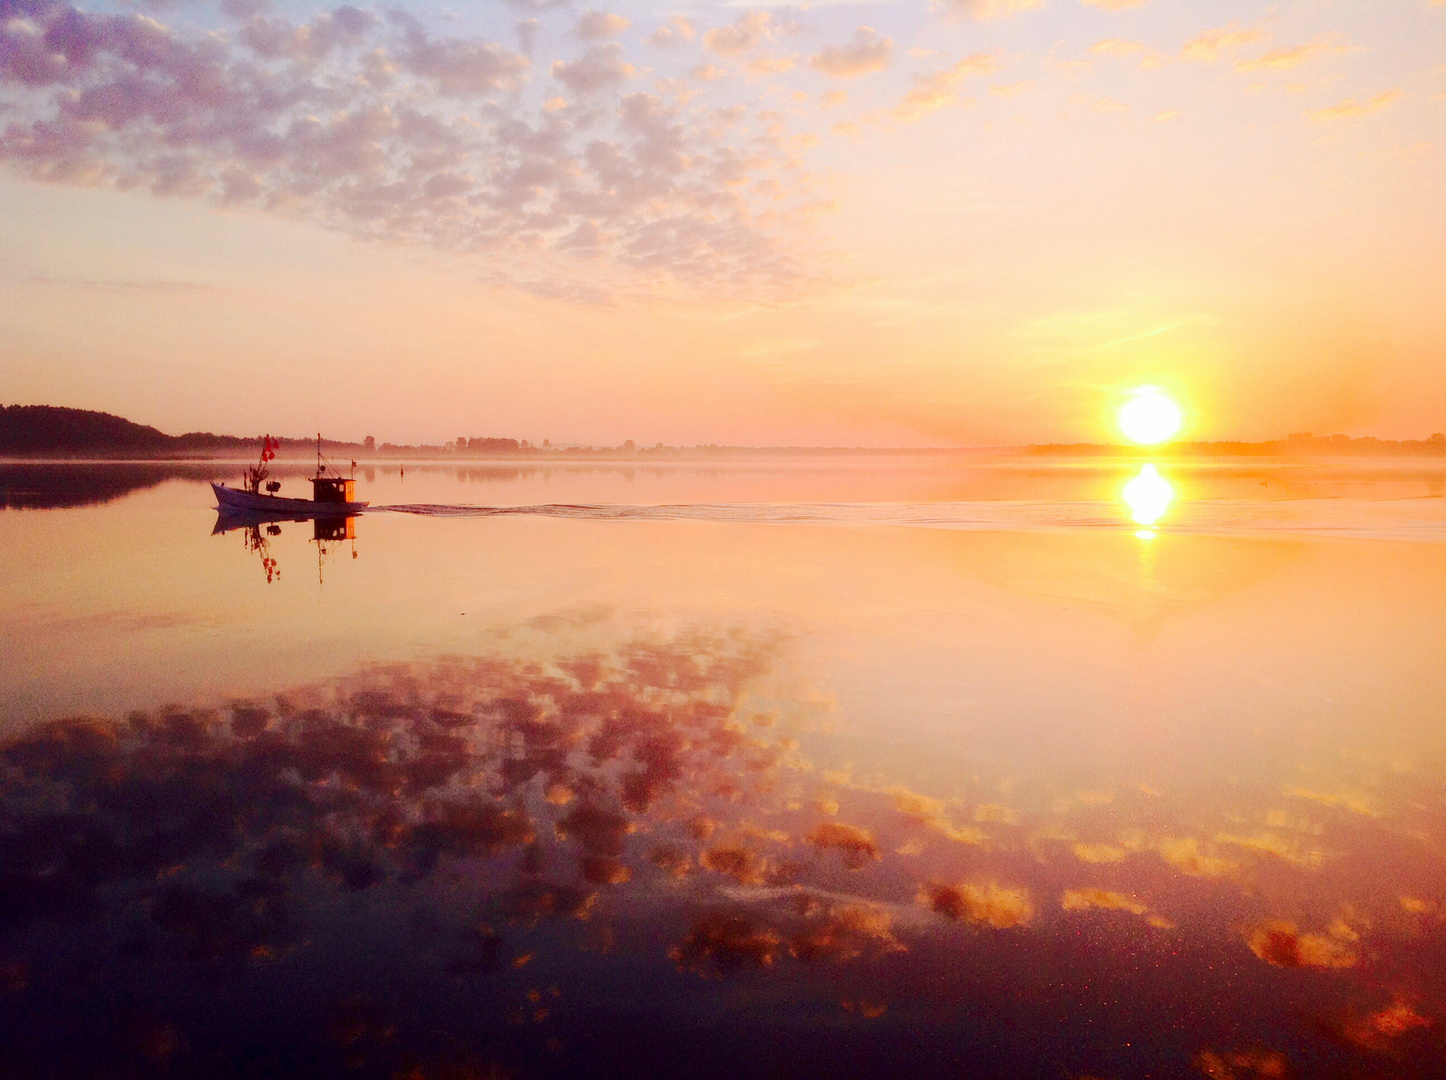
259	529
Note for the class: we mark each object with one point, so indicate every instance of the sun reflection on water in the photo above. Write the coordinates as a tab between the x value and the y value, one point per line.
1148	496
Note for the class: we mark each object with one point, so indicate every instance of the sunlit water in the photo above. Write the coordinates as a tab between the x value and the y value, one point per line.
812	766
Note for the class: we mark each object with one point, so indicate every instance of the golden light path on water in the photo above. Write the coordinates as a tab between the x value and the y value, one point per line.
1148	496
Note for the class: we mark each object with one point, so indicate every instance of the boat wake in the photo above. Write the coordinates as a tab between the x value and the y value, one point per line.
982	515
1409	519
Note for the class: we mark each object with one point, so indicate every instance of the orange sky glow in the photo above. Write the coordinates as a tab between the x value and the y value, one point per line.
965	222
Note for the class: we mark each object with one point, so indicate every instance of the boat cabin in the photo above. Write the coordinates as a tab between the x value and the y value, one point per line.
333	489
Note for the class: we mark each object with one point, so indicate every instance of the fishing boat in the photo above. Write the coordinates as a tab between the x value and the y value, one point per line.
331	494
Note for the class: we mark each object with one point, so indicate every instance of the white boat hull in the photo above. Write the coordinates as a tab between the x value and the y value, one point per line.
228	498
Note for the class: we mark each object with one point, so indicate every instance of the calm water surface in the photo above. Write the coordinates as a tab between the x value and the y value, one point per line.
803	767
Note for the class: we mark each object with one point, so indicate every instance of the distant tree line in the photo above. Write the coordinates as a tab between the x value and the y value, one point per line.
475	445
47	429
1365	444
54	431
50	431
1301	443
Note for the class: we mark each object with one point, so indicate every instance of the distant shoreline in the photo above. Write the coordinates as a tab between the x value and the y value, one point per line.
47	433
1023	456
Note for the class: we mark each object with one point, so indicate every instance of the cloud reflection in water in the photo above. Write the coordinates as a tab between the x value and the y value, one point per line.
623	862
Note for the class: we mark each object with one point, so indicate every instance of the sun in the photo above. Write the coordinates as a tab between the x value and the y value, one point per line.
1150	417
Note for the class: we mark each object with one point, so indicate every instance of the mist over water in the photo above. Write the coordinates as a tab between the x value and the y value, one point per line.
718	771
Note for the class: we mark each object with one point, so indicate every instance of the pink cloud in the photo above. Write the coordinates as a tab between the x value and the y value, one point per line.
384	128
867	52
747	32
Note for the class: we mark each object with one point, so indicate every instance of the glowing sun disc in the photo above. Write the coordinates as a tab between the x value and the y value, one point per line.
1150	417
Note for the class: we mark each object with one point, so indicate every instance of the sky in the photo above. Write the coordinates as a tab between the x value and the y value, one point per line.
967	222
